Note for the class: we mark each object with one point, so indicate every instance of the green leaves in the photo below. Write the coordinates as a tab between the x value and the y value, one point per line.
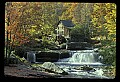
80	33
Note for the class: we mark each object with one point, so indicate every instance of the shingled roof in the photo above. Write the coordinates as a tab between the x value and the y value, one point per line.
66	23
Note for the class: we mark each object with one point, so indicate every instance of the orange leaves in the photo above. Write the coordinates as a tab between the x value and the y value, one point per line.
74	5
13	13
9	28
19	39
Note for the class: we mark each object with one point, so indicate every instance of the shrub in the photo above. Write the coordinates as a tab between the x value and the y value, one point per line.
108	51
80	34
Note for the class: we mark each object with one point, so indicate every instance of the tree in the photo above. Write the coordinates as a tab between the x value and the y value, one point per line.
12	16
68	12
78	35
39	19
104	21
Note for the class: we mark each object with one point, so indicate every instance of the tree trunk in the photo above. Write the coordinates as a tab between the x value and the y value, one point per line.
9	48
6	61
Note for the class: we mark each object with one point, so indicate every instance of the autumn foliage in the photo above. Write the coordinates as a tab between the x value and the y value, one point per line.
27	21
13	14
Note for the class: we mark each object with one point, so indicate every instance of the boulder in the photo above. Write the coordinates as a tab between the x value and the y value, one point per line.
87	68
51	56
53	68
79	46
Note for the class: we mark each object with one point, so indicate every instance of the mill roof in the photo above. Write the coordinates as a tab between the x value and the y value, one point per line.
67	23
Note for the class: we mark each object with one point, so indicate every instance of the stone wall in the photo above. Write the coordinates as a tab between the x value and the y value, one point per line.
48	56
79	46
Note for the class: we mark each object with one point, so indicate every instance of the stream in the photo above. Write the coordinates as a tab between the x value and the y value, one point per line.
75	63
82	58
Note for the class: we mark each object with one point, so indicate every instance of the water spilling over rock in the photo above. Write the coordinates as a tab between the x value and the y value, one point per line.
83	64
31	57
81	57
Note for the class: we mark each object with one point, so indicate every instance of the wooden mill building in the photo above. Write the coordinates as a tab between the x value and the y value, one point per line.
63	28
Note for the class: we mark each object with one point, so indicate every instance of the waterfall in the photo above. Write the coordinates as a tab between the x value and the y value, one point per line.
31	57
82	57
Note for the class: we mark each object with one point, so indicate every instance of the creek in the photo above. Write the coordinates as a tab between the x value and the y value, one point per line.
76	61
82	58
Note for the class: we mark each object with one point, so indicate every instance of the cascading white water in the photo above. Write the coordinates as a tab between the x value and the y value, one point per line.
81	57
31	57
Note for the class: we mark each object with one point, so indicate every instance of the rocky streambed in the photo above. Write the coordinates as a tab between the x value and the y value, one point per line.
22	71
48	70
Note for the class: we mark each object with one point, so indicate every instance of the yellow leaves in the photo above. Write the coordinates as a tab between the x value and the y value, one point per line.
114	12
109	21
114	39
111	12
97	21
96	7
111	28
69	11
104	19
37	39
108	5
31	31
29	10
34	26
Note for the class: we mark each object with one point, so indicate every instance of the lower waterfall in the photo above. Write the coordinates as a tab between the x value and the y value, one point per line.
82	57
79	59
